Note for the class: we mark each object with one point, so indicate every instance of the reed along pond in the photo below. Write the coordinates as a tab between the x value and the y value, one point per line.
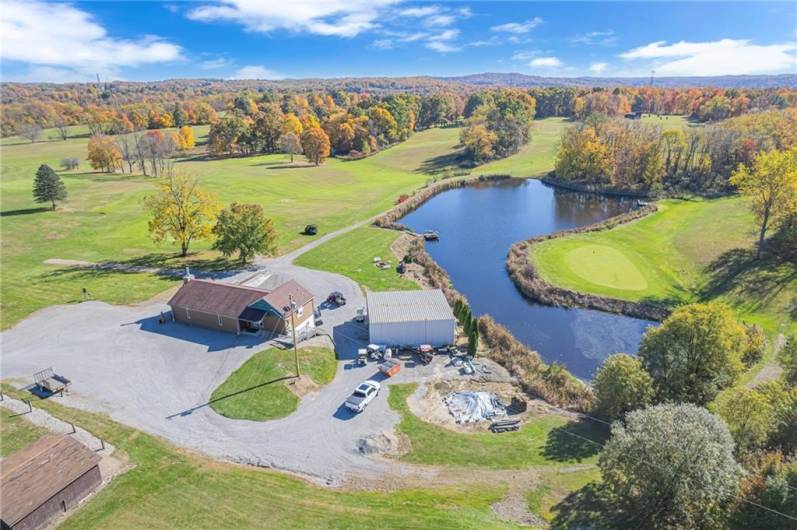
477	225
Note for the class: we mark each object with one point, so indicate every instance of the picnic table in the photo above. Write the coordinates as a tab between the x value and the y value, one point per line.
505	426
51	382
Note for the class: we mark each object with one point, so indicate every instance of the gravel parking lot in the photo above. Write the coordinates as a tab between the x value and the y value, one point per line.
159	378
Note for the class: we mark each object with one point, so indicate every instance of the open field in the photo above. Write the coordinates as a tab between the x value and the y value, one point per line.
16	432
535	158
352	254
669	122
103	218
258	390
689	251
544	441
170	488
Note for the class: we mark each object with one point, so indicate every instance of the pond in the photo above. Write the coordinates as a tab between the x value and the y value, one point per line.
477	225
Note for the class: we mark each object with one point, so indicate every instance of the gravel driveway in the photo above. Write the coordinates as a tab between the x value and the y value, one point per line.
159	378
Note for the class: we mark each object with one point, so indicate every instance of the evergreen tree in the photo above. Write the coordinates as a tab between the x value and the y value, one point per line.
48	186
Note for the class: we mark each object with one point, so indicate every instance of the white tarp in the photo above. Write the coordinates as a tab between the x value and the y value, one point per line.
468	407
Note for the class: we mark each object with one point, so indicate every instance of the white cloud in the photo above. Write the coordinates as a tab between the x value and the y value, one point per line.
71	44
722	57
419	11
525	55
545	62
442	47
342	18
214	64
518	27
384	44
598	68
449	34
255	72
440	20
595	38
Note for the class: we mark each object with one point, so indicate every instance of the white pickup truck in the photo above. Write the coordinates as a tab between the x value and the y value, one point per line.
362	396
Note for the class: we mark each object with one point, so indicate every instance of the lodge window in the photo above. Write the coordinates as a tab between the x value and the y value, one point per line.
220	322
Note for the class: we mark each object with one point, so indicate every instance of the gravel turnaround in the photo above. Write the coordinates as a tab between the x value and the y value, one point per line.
159	378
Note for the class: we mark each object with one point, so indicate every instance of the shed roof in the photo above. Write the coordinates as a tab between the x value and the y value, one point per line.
407	306
33	475
216	298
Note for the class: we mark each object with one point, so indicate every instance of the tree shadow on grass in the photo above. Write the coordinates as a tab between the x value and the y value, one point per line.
438	164
757	281
582	508
575	441
24	211
188	412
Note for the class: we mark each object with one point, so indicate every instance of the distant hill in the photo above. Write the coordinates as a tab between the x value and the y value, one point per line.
725	81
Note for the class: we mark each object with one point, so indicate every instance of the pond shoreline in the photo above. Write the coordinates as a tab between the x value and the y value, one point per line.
528	281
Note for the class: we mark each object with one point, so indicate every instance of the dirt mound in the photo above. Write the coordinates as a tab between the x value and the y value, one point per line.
385	444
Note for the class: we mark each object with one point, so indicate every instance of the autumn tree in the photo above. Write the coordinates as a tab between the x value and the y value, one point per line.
184	138
669	466
181	212
478	142
155	149
267	127
771	183
621	385
30	131
788	360
104	153
48	186
225	133
291	144
315	144
749	415
292	124
695	353
243	228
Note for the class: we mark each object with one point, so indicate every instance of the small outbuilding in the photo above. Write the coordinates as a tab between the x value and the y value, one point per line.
235	308
410	318
44	480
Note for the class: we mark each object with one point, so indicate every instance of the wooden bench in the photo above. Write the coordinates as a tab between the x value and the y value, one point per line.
51	382
505	426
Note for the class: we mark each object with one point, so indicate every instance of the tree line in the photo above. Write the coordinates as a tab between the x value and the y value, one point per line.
689	446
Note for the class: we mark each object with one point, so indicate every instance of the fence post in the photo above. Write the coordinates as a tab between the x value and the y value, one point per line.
102	442
30	407
74	430
1	397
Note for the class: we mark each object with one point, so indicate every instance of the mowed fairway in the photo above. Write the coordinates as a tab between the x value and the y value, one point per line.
689	251
104	220
352	254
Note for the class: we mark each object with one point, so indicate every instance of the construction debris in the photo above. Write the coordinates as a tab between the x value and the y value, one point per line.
469	407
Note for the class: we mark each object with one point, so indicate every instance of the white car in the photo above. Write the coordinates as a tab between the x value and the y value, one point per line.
362	396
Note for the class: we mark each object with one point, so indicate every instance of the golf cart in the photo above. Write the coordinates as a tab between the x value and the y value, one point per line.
425	353
362	357
360	317
310	230
336	298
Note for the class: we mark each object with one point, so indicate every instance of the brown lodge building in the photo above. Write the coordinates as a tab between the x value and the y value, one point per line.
236	309
44	480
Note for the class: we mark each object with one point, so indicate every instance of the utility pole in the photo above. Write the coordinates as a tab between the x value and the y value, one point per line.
293	329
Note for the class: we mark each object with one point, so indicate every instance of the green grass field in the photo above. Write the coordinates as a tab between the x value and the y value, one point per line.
257	390
16	432
173	489
103	219
669	122
689	251
543	441
352	254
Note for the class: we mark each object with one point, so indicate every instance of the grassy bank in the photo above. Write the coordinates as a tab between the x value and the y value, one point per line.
689	251
173	489
352	254
258	389
542	441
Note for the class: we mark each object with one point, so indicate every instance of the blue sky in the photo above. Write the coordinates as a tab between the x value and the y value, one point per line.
152	40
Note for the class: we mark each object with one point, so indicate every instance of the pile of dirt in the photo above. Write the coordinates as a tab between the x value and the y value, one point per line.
385	443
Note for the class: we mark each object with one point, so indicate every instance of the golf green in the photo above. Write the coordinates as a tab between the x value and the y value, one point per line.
606	266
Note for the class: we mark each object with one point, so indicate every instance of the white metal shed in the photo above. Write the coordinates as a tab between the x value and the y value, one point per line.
410	318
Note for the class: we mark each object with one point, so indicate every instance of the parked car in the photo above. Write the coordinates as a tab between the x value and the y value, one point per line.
310	230
362	396
336	298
